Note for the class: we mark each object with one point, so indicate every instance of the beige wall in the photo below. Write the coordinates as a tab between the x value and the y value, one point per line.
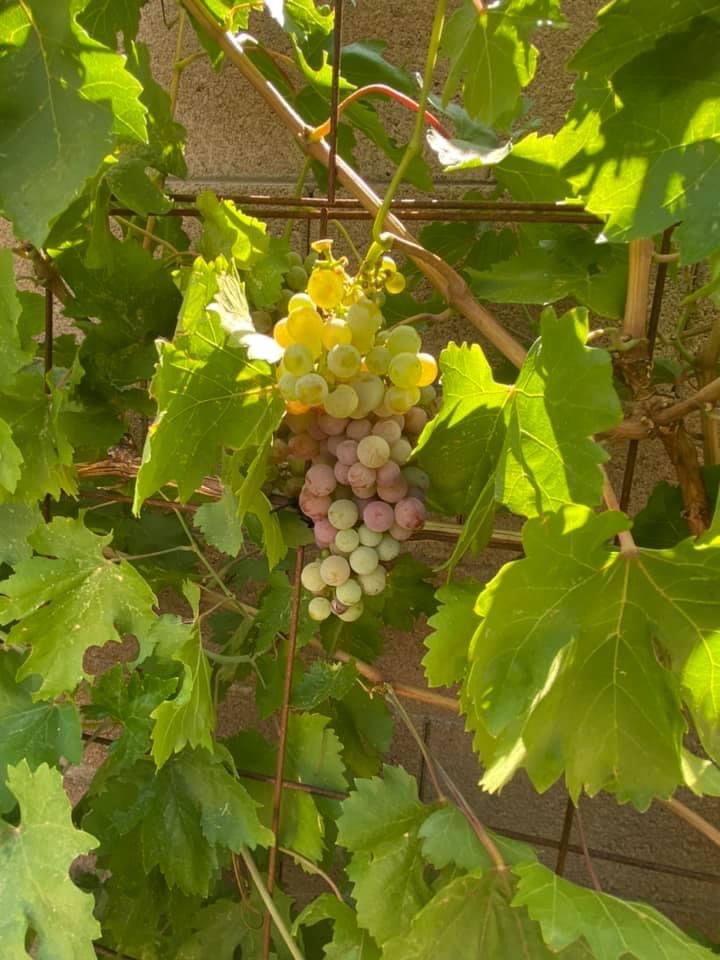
236	146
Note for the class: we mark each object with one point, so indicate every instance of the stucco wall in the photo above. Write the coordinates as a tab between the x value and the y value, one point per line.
234	145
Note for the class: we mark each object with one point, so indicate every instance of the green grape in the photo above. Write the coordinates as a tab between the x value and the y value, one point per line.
335	332
373	583
319	609
364	318
370	391
334	571
296	278
388	549
368	537
352	613
404	339
364	560
344	361
287	385
349	593
310	260
311	579
297	359
294	259
405	370
398	400
346	541
428	395
342	402
378	360
343	514
311	389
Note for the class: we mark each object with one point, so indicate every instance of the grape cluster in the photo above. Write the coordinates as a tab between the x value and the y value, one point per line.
357	397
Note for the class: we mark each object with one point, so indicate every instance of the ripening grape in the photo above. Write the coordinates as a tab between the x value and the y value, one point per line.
299	422
326	286
342	402
311	389
313	505
400	399
388	548
399	533
281	334
428	395
378	516
405	370
344	361
393	492
316	431
373	451
357	429
343	514
410	513
415	420
342	472
388	473
311	579
319	609
401	450
363	495
360	476
287	385
320	480
297	359
370	390
351	613
324	533
403	339
346	452
306	326
368	537
373	583
429	369
302	446
334	570
364	560
389	430
378	360
346	541
297	466
336	332
349	593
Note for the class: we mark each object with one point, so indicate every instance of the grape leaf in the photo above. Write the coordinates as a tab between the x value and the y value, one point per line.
209	397
69	599
348	942
63	97
447	838
491	55
222	928
36	732
644	184
453	626
627	28
220	523
14	355
189	717
301	18
364	725
408	593
11	459
612	928
323	681
566	655
471	917
230	233
104	19
379	824
661	522
520	445
17	522
36	893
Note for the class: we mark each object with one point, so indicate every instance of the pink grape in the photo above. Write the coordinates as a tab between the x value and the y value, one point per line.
388	473
333	426
410	513
361	476
415	420
333	443
378	516
316	431
321	480
324	533
388	430
312	505
357	429
302	446
341	472
393	492
399	533
347	452
299	422
399	419
363	495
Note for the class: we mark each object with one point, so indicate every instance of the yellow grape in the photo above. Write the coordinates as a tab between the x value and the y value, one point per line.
398	400
429	369
311	390
281	333
378	360
335	333
305	325
344	361
342	402
297	359
326	286
405	370
300	301
395	283
404	339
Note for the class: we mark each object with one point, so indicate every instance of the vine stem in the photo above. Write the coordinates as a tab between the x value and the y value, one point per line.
282	742
272	910
386	91
415	144
422	746
297	192
708	394
694	819
628	547
708	361
447	281
313	868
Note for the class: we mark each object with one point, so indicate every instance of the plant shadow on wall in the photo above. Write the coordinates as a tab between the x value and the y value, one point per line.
213	478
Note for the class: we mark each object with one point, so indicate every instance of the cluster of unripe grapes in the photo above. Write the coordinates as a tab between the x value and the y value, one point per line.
357	397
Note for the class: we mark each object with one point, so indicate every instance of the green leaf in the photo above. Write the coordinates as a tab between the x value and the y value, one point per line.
69	599
348	942
701	776
532	170
35	732
133	187
491	56
220	524
37	895
63	98
228	232
11	459
365	727
471	917
509	442
222	928
209	396
612	928
642	183
301	18
379	824
166	137
323	681
188	718
408	594
17	522
453	626
566	655
104	19
661	522
447	838
13	356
